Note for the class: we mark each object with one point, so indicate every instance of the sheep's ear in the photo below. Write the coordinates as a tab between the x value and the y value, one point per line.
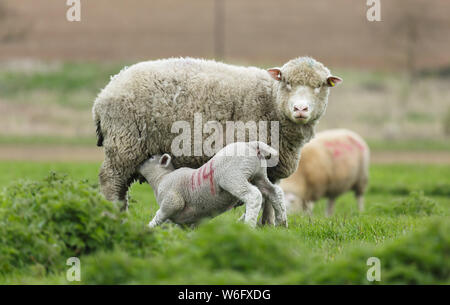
275	73
165	160
333	81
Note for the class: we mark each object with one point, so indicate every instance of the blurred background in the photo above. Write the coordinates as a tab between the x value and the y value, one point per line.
396	90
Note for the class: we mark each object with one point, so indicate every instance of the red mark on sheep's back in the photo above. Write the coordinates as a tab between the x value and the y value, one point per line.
335	147
202	175
356	143
339	147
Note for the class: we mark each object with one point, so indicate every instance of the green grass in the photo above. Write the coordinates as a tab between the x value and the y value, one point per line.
405	224
375	145
409	145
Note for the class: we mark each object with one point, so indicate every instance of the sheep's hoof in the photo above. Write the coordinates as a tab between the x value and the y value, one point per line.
282	223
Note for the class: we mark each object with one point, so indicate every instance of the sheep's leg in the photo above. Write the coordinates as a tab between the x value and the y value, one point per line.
330	207
169	207
359	190
360	199
308	207
114	184
268	216
248	194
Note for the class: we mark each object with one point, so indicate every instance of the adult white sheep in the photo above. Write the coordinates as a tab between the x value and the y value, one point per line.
236	173
134	113
334	162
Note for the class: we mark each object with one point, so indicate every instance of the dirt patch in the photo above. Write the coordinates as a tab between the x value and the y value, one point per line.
40	117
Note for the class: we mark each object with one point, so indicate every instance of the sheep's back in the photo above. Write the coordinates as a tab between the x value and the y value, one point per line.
144	100
348	159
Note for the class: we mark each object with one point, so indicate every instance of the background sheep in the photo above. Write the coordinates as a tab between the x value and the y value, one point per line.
334	162
134	113
236	173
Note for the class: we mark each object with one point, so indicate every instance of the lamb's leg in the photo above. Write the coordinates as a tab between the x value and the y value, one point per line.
330	207
275	198
171	205
248	194
242	218
114	184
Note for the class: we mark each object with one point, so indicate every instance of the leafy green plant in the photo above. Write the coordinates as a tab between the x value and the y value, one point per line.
47	221
416	204
249	258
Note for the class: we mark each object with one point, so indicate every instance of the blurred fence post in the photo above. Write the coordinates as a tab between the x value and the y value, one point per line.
219	29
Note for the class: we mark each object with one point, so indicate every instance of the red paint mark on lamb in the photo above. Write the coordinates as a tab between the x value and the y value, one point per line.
210	176
202	175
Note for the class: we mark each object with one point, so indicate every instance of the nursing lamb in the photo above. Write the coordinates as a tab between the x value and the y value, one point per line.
236	173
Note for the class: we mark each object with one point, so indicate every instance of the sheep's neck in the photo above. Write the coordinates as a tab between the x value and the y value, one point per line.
292	138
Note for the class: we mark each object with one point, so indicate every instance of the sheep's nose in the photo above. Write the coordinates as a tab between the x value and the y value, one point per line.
301	108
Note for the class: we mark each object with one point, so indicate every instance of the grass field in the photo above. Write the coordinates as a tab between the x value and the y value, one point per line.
405	224
51	209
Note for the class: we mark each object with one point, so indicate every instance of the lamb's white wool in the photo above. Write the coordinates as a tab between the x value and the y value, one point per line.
186	195
334	162
134	113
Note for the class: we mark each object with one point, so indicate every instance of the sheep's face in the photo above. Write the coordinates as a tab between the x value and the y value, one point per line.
303	88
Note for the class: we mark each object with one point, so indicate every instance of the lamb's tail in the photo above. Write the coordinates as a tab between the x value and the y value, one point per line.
265	150
98	129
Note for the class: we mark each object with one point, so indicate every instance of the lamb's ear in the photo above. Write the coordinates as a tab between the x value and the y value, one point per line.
275	73
165	160
333	81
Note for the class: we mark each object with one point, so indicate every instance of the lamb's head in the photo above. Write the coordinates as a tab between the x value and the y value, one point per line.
156	166
303	85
